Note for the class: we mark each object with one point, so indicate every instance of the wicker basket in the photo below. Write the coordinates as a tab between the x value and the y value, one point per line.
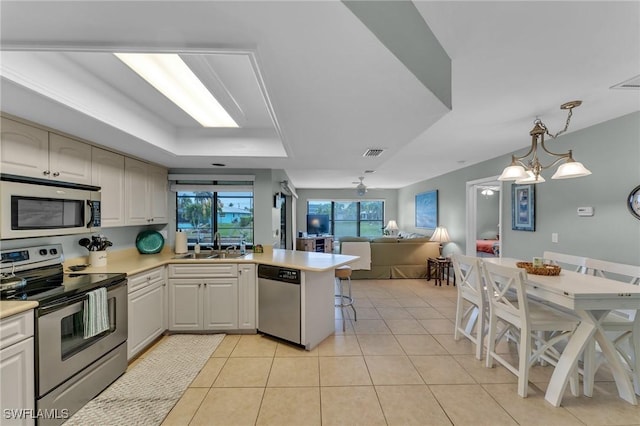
539	270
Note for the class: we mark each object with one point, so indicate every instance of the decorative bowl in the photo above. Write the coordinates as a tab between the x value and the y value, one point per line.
551	270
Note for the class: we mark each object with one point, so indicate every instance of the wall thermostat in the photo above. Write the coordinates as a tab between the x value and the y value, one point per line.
585	211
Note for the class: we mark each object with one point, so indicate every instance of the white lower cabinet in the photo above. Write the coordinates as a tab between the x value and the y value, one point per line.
247	296
17	394
211	297
147	309
185	304
203	304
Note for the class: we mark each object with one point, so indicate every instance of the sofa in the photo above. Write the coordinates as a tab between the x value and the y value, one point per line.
396	257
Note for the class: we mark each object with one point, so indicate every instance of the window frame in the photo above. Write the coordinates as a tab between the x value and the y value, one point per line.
215	189
358	219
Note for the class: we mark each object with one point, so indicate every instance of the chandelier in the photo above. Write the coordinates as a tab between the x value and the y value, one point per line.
527	170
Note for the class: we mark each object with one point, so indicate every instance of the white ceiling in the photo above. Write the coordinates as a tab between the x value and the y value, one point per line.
313	87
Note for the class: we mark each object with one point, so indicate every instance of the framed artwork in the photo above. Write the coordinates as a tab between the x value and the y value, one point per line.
523	207
427	210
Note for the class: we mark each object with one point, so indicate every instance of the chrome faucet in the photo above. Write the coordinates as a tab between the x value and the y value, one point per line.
230	249
216	241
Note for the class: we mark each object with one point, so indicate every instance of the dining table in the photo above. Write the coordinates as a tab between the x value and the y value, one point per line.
591	298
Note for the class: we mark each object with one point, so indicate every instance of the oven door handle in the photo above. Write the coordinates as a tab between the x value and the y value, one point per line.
74	299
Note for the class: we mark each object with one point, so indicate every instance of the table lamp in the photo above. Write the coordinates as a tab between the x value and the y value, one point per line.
440	235
392	228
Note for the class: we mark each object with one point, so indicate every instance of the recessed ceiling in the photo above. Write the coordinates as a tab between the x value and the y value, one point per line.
312	86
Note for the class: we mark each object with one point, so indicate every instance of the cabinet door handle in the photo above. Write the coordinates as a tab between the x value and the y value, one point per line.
46	173
199	284
56	174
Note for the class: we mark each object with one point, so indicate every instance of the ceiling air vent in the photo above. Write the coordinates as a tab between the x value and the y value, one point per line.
632	83
373	152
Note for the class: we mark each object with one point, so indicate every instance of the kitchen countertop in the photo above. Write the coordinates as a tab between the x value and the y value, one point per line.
14	307
131	262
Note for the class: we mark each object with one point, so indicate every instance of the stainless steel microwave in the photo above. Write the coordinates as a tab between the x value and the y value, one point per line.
39	208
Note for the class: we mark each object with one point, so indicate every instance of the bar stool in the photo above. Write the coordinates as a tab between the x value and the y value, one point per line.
344	300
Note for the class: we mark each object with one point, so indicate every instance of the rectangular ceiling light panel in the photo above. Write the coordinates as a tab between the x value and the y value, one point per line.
168	73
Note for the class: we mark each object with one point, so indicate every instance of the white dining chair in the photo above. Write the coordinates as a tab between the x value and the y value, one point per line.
471	309
578	262
623	324
528	323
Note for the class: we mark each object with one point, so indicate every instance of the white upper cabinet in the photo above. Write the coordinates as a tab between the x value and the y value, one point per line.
69	160
135	190
107	170
33	152
158	194
132	192
145	193
24	150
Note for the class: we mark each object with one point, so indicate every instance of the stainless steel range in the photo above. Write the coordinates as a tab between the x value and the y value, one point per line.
70	369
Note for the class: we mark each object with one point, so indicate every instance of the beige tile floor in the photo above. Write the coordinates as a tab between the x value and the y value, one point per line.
397	365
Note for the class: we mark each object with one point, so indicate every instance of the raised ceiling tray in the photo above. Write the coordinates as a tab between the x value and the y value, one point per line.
149	242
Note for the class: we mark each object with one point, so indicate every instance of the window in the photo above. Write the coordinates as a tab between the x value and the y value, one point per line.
371	218
351	218
232	216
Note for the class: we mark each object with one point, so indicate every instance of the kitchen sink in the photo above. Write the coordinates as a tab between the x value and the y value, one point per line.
225	255
209	255
196	256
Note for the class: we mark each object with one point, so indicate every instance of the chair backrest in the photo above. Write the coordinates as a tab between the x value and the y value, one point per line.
619	272
577	261
613	270
502	283
469	278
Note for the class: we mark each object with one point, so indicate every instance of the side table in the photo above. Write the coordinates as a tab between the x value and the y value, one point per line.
436	267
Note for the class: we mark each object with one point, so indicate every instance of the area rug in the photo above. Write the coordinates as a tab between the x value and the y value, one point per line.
145	394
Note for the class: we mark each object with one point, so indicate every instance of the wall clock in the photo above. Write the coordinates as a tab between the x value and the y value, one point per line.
633	202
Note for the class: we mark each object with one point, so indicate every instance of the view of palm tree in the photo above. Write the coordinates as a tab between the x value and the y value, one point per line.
232	217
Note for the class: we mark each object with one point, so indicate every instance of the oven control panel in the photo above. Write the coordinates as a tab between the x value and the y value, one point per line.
15	256
13	260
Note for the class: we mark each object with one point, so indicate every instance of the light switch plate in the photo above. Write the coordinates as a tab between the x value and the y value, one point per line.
585	211
554	237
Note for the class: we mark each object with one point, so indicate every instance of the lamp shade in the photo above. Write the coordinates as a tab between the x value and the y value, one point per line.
531	178
570	169
440	235
392	226
513	173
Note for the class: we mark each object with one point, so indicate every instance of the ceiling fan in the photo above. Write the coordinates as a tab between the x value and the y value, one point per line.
361	189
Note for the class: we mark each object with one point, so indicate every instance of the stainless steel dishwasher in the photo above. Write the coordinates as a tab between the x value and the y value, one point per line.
279	302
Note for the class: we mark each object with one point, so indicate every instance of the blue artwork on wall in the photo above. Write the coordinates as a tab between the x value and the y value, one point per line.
427	210
523	207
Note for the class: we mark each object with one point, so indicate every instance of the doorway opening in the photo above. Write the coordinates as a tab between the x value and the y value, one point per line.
484	217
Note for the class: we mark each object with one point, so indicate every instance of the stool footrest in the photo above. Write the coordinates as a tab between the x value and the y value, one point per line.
345	301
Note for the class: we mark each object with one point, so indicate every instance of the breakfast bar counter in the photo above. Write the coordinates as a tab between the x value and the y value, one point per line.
130	262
